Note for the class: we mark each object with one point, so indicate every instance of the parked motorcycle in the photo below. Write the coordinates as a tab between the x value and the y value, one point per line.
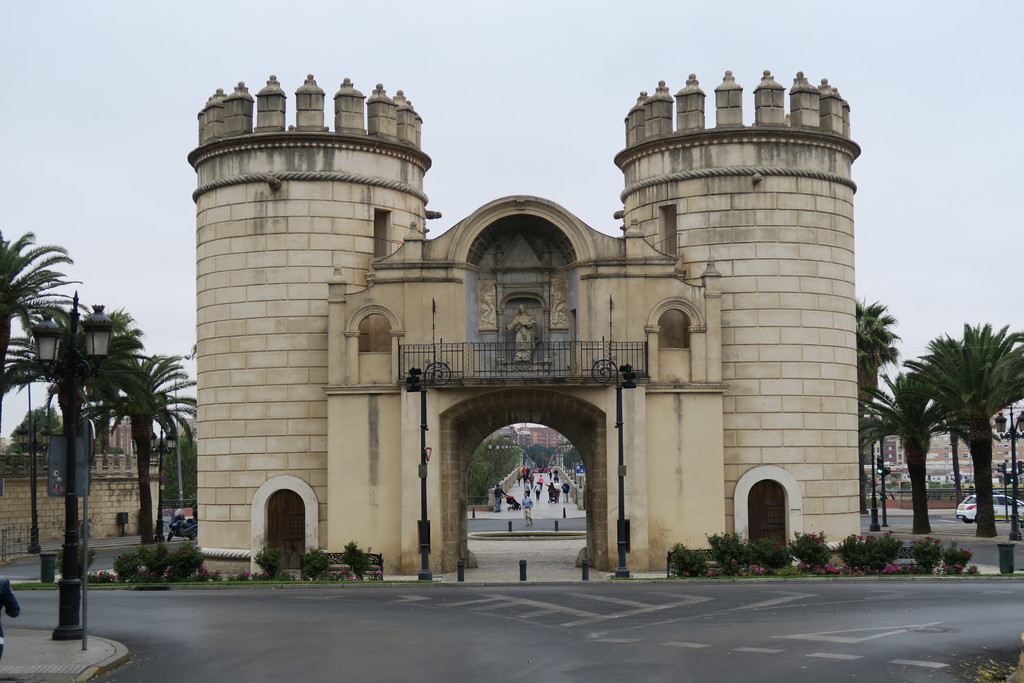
183	527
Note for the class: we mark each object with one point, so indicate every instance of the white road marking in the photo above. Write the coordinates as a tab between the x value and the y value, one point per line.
410	598
688	644
917	662
787	597
879	632
830	655
645	609
474	602
617	640
764	650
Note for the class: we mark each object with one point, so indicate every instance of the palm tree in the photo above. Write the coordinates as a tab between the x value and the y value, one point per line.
27	281
907	412
972	379
876	348
156	399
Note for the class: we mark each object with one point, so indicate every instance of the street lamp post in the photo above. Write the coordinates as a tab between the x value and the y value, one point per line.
26	439
874	496
625	378
1014	431
67	373
414	383
163	445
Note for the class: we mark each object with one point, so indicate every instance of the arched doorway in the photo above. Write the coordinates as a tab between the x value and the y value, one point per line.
465	425
766	506
286	523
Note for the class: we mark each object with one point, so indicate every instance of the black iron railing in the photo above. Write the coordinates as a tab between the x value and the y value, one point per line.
468	362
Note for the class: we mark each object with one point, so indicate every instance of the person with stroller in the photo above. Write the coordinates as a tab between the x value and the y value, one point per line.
511	503
527	506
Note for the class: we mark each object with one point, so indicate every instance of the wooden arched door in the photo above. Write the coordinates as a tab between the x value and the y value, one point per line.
286	526
766	511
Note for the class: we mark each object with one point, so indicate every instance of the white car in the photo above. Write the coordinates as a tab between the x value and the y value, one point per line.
967	511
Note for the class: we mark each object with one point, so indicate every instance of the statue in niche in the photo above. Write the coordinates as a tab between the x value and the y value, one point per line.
558	304
487	306
525	328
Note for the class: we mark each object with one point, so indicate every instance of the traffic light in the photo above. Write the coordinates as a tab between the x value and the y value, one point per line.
412	382
1001	467
880	469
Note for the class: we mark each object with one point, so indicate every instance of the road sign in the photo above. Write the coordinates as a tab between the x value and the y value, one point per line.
579	468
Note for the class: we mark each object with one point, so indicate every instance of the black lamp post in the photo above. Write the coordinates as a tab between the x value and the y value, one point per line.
874	496
625	378
1014	431
414	383
25	439
163	445
67	373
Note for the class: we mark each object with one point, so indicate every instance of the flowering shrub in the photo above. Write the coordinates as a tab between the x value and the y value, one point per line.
810	549
954	556
870	552
927	554
686	562
103	577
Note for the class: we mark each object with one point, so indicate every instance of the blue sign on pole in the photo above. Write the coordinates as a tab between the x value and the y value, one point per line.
579	468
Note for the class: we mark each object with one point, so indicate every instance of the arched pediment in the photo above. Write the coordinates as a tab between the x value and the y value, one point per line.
531	226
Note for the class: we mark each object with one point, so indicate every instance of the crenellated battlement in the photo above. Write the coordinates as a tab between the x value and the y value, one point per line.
381	117
811	108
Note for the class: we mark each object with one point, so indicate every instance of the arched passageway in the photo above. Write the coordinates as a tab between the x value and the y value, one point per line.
466	424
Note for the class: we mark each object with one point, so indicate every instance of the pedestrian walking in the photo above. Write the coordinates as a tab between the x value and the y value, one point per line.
540	488
9	604
499	494
565	491
556	476
527	505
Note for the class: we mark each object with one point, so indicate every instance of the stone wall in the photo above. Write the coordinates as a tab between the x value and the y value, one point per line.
115	489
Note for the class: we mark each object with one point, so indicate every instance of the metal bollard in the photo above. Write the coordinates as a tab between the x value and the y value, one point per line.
586	569
522	570
563	512
474	513
510	525
461	566
556	525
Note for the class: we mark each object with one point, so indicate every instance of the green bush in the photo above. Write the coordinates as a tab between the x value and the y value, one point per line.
185	562
731	553
81	567
769	553
927	554
869	552
314	564
156	559
810	549
955	559
270	560
356	559
127	566
687	562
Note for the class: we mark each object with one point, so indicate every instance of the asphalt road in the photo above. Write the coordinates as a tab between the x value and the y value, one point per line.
766	631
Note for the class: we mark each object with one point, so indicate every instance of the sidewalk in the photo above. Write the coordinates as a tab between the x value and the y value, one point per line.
32	655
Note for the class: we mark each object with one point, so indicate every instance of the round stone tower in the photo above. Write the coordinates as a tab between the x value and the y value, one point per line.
768	207
282	214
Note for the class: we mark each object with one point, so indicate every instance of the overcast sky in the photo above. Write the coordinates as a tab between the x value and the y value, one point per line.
520	97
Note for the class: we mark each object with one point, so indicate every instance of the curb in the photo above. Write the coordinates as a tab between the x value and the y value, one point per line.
120	656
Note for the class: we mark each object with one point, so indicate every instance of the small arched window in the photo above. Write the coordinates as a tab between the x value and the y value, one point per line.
674	330
374	334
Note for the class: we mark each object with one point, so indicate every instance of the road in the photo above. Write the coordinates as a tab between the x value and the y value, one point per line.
768	631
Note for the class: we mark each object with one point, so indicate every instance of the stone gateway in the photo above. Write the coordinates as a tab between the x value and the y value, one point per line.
730	293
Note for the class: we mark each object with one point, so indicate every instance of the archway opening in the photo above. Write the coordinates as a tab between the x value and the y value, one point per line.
577	424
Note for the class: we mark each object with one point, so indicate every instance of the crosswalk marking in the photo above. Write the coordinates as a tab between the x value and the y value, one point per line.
694	645
870	633
917	662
